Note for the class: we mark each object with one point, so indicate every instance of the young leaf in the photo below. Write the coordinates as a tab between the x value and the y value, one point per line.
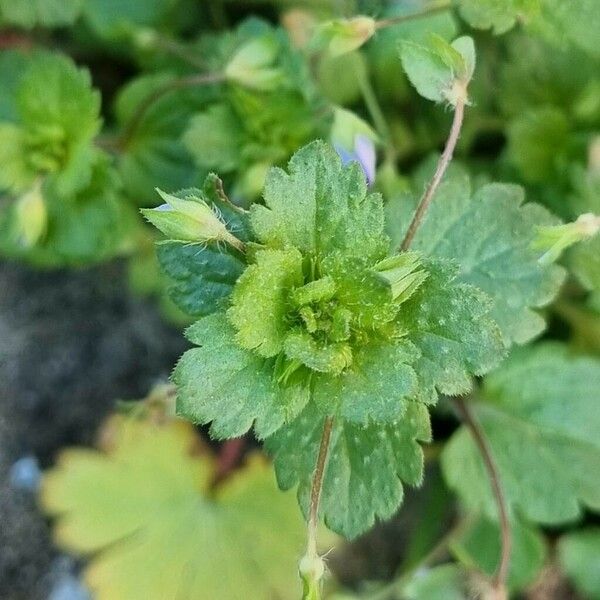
579	555
57	118
87	227
365	469
489	234
540	415
321	207
145	509
440	71
444	582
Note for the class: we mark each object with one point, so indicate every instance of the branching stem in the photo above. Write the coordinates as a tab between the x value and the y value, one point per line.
171	86
478	434
434	8
442	165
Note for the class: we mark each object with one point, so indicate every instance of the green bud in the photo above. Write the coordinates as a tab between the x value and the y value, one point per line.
555	239
190	220
253	64
311	571
340	36
403	274
31	216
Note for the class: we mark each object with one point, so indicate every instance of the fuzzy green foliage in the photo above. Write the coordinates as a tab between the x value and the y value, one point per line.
539	413
325	319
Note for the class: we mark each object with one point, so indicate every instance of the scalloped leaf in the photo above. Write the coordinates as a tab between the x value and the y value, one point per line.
231	387
489	234
541	417
144	511
365	469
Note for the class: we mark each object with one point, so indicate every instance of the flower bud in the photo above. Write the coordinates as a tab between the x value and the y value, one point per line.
340	36
31	216
354	140
253	65
403	274
555	239
190	220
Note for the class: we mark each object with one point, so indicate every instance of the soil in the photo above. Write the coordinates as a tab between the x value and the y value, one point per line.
71	343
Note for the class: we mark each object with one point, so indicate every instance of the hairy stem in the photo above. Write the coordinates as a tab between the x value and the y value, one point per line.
311	565
433	8
317	485
171	86
442	165
474	427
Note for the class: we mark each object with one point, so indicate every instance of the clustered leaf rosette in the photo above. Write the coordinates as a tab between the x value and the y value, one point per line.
319	316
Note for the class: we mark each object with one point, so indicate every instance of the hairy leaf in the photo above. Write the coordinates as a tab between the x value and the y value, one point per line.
541	417
488	233
231	387
449	322
365	468
321	208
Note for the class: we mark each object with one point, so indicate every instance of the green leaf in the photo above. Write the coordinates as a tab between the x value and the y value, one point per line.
439	71
479	547
540	415
584	261
57	118
90	226
259	301
538	143
499	15
578	21
154	155
579	555
44	13
365	468
202	278
450	324
321	209
145	511
445	582
489	234
230	386
114	18
214	139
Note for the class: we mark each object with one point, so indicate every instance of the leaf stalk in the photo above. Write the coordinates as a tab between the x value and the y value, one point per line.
470	421
440	170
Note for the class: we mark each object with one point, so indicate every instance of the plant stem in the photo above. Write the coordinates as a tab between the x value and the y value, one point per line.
177	84
178	50
377	116
435	7
317	485
478	434
228	457
311	565
442	165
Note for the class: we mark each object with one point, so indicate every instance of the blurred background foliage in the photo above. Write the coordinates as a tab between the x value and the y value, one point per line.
102	101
